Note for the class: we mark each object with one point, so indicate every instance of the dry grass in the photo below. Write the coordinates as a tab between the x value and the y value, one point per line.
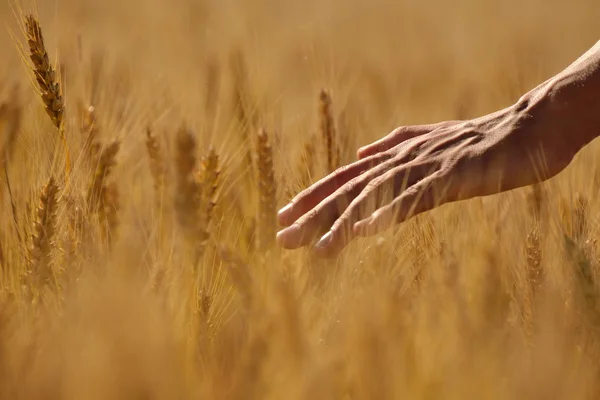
489	298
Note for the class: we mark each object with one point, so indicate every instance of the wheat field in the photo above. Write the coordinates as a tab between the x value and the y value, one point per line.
146	146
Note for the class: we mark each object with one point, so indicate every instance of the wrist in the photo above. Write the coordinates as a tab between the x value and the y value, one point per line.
564	114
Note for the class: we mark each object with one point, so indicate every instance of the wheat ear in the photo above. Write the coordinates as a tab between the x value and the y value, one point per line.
533	245
43	236
208	178
102	196
157	164
328	134
267	191
46	79
187	188
90	129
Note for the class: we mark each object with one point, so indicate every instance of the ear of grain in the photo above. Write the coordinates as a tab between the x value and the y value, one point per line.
48	85
267	191
208	178
105	165
157	166
42	241
586	282
533	243
90	131
103	196
44	71
186	186
328	134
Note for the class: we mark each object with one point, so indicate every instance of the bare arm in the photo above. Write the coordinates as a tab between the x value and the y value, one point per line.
417	168
573	96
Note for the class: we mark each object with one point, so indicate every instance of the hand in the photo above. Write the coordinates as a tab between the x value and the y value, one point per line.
417	168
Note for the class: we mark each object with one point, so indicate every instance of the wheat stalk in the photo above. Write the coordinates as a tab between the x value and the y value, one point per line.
42	238
328	134
10	125
307	162
267	191
157	164
245	116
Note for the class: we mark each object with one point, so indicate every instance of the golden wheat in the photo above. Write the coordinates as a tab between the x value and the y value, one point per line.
489	298
187	190
328	133
157	164
90	130
47	81
44	72
42	241
208	179
102	196
267	191
533	242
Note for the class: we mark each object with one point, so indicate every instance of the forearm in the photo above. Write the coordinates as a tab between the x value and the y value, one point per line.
569	102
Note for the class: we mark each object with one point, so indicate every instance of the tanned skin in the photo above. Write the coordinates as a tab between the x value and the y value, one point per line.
417	168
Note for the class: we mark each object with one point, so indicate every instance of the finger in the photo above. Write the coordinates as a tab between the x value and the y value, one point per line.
393	139
377	193
310	197
306	228
401	135
421	197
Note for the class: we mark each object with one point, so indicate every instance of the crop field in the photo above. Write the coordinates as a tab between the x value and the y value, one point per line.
146	146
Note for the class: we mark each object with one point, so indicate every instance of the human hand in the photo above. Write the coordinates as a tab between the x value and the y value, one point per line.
417	168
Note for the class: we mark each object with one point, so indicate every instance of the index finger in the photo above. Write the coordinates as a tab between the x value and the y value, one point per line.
312	196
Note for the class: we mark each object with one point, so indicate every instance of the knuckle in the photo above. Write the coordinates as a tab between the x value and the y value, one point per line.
372	185
309	217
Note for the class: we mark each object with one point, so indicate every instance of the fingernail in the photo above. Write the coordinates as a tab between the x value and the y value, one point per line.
284	211
324	241
283	236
